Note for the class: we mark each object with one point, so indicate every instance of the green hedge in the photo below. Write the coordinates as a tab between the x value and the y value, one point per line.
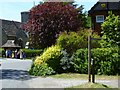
32	53
28	52
1	50
53	61
106	61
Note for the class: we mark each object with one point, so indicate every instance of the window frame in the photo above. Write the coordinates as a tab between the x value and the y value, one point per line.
98	21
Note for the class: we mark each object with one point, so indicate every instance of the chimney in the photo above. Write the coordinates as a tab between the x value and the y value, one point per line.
24	16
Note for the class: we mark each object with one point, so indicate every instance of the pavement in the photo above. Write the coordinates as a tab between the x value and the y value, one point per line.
14	74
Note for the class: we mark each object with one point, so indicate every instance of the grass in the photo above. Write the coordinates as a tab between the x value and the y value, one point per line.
83	76
90	85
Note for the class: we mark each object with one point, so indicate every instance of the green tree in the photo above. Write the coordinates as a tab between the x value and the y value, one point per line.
75	40
111	30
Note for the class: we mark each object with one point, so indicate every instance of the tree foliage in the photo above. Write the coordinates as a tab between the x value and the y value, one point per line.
75	40
48	20
111	30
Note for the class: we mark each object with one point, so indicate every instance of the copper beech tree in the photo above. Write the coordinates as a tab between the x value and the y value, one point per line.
48	20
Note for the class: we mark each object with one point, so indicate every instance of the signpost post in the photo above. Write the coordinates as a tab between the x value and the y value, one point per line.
91	61
93	69
89	58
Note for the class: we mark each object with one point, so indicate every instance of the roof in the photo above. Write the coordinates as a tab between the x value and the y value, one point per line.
100	5
10	43
10	27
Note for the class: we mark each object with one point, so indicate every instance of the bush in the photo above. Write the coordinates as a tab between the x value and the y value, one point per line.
66	62
52	57
75	40
111	30
32	53
1	50
80	61
2	53
106	61
41	70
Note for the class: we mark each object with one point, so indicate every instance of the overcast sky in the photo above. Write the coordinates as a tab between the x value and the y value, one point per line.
10	9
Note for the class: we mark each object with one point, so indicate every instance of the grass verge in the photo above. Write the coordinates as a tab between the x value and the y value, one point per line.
91	86
83	76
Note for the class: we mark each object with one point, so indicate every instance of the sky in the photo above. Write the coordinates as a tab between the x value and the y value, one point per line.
11	9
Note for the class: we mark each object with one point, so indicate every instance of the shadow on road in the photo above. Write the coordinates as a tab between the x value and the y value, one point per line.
15	74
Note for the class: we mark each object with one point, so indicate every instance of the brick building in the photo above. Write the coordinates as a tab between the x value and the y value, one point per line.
99	12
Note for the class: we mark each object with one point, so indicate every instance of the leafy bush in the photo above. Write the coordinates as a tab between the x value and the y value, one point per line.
32	53
106	61
1	50
66	62
80	61
111	30
75	40
52	57
41	70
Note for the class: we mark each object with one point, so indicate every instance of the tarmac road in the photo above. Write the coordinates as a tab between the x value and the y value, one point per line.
14	74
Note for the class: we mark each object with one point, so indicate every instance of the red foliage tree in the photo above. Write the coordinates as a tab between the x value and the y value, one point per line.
48	20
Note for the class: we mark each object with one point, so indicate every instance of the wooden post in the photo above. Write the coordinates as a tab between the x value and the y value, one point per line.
93	71
89	58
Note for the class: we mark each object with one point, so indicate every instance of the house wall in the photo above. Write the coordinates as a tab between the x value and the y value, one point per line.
96	27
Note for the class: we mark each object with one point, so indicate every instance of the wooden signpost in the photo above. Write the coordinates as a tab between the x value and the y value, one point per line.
91	61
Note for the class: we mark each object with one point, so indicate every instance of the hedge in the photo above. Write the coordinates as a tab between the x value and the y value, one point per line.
32	53
53	61
1	50
106	61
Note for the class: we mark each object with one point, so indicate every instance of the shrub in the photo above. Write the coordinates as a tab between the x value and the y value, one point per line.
75	40
41	70
80	61
111	30
66	62
52	57
32	53
106	61
1	50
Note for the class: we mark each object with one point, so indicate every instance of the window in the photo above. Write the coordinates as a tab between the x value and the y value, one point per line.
100	18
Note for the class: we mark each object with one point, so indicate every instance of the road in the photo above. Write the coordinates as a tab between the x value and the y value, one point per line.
14	74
